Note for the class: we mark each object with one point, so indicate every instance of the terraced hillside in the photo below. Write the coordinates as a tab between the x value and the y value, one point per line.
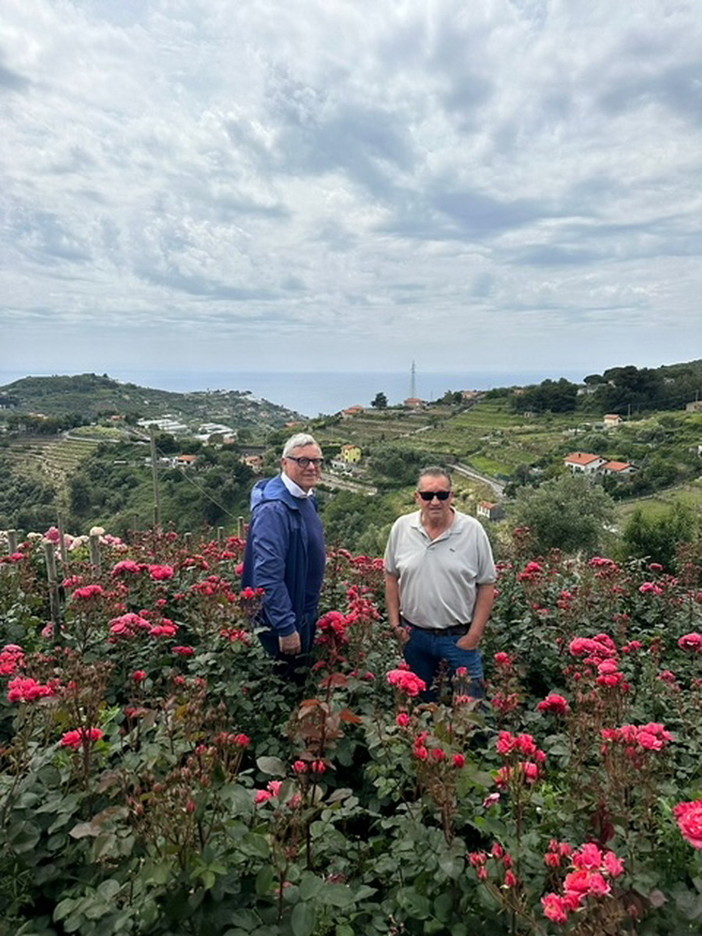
51	457
487	435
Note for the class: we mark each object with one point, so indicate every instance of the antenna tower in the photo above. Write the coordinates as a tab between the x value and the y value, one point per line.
413	382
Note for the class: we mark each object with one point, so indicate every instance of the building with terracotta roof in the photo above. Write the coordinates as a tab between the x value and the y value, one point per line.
490	510
584	462
617	468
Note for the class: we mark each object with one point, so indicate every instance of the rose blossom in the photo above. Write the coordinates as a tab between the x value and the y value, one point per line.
80	737
691	642
554	703
689	819
406	681
26	689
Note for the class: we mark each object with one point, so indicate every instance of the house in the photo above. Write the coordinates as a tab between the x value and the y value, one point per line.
612	421
255	462
352	411
184	461
350	454
584	463
490	511
617	468
414	403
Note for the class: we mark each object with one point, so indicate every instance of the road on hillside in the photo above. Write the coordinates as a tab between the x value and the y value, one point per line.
344	484
497	486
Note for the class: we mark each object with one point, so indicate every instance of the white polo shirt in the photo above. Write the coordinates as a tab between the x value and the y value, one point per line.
438	578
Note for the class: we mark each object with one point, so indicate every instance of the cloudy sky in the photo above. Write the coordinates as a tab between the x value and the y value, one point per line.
349	184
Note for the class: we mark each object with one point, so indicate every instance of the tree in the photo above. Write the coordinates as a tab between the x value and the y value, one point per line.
657	538
393	466
568	513
379	401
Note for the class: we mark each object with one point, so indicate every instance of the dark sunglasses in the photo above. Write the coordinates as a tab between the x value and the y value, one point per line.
305	462
430	495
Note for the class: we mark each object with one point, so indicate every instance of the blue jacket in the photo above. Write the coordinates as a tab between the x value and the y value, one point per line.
276	557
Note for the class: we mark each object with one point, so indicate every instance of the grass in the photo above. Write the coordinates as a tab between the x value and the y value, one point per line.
658	504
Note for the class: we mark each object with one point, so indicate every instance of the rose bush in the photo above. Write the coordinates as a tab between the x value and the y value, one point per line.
158	778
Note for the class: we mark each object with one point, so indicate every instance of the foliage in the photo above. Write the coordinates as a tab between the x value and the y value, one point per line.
357	521
380	401
556	396
567	513
395	466
659	539
26	502
118	492
157	777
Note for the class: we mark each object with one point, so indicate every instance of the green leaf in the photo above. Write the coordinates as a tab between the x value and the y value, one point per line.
273	766
23	836
451	865
443	907
310	886
415	904
108	889
63	908
336	895
264	881
245	920
303	920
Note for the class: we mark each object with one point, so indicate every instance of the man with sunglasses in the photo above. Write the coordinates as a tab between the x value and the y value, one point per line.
285	552
439	584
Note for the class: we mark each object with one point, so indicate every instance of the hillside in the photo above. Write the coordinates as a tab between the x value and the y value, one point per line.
91	396
52	458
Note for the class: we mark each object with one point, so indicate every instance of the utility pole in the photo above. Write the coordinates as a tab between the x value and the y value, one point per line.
154	477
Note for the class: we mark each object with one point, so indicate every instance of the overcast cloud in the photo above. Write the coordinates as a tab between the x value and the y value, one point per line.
349	184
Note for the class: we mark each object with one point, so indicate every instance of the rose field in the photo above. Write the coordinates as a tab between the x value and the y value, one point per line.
157	777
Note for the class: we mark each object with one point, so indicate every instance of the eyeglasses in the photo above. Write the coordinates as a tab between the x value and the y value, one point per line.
430	495
305	462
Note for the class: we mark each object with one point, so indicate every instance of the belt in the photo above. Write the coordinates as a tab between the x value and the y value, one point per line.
441	631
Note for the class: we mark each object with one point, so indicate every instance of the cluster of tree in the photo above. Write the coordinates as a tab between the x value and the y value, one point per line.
32	424
26	503
574	515
114	487
394	466
358	522
554	396
624	390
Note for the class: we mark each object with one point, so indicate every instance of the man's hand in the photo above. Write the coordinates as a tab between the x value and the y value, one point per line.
468	642
290	645
401	633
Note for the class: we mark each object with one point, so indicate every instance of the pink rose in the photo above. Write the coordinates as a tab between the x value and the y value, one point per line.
689	819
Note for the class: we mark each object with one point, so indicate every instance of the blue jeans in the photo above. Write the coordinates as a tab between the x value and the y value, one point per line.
425	651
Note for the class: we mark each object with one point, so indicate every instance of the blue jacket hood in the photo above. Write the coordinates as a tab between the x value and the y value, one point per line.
270	489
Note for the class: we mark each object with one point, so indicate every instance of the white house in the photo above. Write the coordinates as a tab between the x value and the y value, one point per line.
584	462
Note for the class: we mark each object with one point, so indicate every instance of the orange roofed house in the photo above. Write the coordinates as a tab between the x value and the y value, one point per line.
617	468
584	462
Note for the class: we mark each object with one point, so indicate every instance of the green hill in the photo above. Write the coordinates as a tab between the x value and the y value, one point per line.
90	396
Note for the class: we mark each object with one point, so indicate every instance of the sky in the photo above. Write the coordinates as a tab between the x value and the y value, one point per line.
349	185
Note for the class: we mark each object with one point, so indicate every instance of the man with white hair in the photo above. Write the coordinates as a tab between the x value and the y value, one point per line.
285	552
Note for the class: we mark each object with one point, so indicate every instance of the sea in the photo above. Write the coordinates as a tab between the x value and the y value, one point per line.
315	393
